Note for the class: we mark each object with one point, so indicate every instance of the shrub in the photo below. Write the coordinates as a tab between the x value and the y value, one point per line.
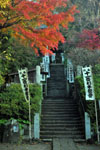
90	107
1	80
13	104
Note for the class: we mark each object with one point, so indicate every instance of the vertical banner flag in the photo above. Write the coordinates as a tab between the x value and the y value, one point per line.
23	76
46	62
71	74
88	83
42	70
70	71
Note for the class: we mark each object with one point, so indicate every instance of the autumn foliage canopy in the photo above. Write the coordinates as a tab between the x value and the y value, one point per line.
26	20
90	39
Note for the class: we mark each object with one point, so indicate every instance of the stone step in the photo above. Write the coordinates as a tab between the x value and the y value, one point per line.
45	128
52	95
58	85
62	136
60	121
61	112
56	78
56	89
56	81
65	117
57	113
68	107
57	70
67	111
59	102
61	125
75	114
56	92
54	104
59	99
64	132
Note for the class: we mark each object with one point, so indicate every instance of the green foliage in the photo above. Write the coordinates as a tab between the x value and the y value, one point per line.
97	86
80	85
1	80
23	54
96	70
5	52
14	56
3	121
13	104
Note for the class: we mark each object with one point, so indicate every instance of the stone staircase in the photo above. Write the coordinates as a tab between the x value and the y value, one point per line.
56	84
60	115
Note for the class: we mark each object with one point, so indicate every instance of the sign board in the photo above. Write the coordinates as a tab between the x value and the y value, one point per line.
23	76
88	83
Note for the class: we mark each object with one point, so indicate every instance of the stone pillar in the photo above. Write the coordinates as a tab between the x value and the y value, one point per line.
53	58
79	70
87	126
38	75
36	126
99	104
62	57
67	88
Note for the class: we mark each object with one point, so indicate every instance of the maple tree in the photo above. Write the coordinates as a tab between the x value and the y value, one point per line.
36	22
4	3
90	39
84	30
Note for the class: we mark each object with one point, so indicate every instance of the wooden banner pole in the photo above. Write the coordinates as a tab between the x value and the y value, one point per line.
97	126
30	126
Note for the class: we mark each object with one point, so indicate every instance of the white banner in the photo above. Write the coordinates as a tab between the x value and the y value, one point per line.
23	76
71	74
45	63
46	59
70	71
88	83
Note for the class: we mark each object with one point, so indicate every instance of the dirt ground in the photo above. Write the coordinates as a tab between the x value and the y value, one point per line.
34	146
88	147
44	146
